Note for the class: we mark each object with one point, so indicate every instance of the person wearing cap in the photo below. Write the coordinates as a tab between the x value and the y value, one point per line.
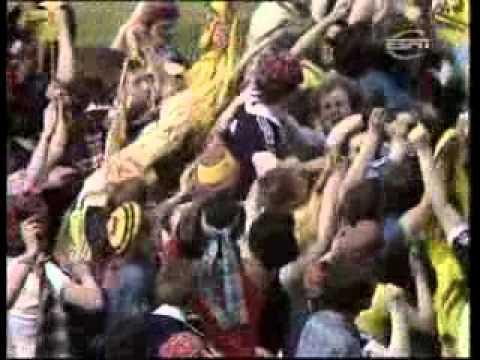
191	112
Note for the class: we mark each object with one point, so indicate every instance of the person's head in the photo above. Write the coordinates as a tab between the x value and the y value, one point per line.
19	209
160	18
344	276
362	202
337	98
174	283
272	241
277	75
282	189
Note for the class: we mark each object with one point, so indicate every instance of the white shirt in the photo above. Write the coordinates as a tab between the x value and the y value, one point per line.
171	311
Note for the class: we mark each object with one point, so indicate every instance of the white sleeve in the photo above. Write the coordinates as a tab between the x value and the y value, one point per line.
56	277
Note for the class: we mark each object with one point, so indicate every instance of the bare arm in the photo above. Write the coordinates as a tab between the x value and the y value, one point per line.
17	272
400	339
318	9
65	65
85	293
50	146
343	129
357	170
311	36
20	267
327	217
448	217
421	318
415	219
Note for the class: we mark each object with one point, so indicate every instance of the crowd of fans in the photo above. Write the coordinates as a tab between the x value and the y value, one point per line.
300	189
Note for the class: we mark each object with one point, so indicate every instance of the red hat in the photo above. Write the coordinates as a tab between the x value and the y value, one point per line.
180	345
282	68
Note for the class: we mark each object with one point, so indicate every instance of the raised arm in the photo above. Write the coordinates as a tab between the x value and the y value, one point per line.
50	147
292	273
449	218
399	338
311	36
85	293
356	172
328	217
20	267
422	317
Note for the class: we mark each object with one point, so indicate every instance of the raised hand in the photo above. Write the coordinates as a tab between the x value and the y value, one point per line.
341	9
60	176
400	127
394	297
419	137
376	122
50	118
32	231
220	35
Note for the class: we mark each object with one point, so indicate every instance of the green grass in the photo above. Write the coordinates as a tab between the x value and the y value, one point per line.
98	22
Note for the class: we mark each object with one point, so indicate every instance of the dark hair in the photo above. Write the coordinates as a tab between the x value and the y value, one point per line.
19	209
335	81
280	186
362	202
96	233
174	283
271	240
189	232
276	75
221	209
402	186
357	51
127	338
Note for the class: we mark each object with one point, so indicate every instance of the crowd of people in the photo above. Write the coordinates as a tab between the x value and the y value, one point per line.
300	189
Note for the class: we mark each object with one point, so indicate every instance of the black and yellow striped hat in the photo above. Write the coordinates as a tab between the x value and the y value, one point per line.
124	225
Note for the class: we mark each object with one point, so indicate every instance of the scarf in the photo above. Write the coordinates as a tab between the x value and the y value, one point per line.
220	280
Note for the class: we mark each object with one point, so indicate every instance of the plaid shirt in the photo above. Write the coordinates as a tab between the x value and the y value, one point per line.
220	281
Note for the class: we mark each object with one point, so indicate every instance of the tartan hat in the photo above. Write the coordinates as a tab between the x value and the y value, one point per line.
124	225
182	344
